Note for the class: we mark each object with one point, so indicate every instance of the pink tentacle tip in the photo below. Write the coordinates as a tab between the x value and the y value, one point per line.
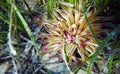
48	28
45	49
66	36
72	37
55	25
84	63
69	31
71	64
59	43
86	40
69	37
79	34
59	59
59	51
61	28
77	61
81	29
81	44
59	20
46	44
42	40
88	32
66	13
49	57
106	59
48	36
66	44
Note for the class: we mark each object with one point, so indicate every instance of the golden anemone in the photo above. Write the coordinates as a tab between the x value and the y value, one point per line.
69	27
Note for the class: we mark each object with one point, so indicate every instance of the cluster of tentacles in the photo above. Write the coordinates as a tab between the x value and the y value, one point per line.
70	27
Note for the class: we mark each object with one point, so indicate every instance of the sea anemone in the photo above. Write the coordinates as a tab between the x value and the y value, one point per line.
69	27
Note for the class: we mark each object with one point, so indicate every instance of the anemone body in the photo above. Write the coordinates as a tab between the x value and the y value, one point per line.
69	27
